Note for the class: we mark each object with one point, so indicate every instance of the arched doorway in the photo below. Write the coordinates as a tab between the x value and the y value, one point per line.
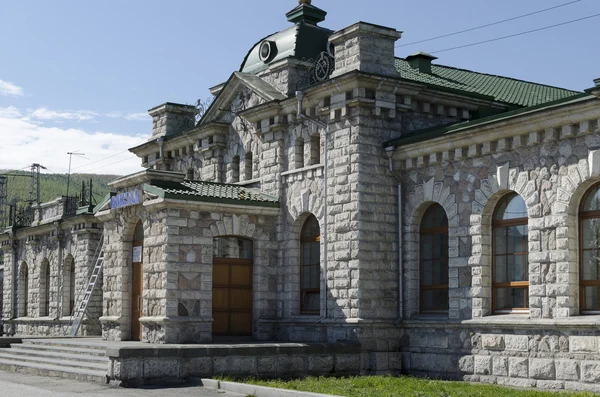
232	287
137	286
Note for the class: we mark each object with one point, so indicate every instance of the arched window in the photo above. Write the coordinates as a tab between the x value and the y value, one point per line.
24	290
434	261
299	153
235	169
589	255
315	149
510	268
68	285
248	167
189	174
310	267
45	288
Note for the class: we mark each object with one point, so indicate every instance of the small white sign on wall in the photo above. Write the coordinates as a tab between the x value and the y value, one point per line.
137	254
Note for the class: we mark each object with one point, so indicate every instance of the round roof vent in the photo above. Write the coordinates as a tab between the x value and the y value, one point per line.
267	51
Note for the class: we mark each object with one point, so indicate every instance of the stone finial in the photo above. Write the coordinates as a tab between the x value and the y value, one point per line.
304	2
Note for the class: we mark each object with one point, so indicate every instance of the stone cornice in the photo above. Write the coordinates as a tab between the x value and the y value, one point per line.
145	177
161	203
525	129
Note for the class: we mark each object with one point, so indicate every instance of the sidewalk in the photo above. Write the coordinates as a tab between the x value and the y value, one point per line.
23	385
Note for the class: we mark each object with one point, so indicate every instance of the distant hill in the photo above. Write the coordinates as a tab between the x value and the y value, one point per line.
55	185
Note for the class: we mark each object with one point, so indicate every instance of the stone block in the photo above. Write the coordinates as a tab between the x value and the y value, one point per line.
516	342
590	371
199	367
466	364
433	362
493	342
163	367
567	369
320	365
347	363
483	365
500	366
542	368
518	367
583	344
267	365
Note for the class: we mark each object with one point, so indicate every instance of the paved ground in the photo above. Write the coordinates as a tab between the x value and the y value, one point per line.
23	385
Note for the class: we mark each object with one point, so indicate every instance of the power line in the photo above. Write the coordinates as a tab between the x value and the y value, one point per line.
104	166
516	34
489	24
98	161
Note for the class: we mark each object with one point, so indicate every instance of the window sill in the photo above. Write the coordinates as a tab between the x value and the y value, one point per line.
510	320
298	170
248	182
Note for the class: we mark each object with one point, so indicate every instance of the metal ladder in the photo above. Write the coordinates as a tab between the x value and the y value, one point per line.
82	303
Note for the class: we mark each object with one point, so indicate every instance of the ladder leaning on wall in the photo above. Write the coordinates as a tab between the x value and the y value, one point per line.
83	300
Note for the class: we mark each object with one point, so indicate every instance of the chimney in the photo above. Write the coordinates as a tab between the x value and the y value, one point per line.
365	47
421	61
171	118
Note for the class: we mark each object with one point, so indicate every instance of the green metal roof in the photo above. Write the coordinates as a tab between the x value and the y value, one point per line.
448	129
211	192
503	89
302	41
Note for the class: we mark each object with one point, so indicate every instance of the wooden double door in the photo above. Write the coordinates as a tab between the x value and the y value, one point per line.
232	297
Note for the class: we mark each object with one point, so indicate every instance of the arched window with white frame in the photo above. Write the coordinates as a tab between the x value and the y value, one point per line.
510	255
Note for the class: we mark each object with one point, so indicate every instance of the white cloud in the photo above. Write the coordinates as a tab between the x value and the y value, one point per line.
10	112
83	115
138	117
77	115
25	142
9	89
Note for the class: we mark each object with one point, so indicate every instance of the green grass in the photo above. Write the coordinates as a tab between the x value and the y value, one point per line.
387	386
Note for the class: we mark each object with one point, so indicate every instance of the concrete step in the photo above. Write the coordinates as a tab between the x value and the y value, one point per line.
24	350
8	355
58	371
58	348
83	343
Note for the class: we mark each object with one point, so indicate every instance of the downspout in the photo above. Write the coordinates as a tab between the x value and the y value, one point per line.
390	151
300	97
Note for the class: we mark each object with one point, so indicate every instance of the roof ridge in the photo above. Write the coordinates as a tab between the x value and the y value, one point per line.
499	76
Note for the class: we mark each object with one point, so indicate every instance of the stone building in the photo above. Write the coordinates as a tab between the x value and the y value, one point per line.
443	219
47	262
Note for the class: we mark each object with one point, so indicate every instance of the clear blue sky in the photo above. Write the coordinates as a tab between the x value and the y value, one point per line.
78	74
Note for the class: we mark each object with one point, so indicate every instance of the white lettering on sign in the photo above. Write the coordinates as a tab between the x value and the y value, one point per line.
125	199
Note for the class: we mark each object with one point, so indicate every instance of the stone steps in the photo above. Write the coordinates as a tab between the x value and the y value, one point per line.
70	358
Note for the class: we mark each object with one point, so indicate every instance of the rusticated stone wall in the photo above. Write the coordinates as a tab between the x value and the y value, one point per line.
73	242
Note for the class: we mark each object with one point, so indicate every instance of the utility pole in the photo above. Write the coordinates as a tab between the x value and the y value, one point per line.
34	190
71	154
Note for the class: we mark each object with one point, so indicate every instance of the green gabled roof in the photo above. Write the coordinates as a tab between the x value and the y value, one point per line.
503	89
211	192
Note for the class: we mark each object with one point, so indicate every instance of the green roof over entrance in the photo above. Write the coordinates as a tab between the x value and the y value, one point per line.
211	192
503	89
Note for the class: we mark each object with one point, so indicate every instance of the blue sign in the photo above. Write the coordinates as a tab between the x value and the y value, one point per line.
125	199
